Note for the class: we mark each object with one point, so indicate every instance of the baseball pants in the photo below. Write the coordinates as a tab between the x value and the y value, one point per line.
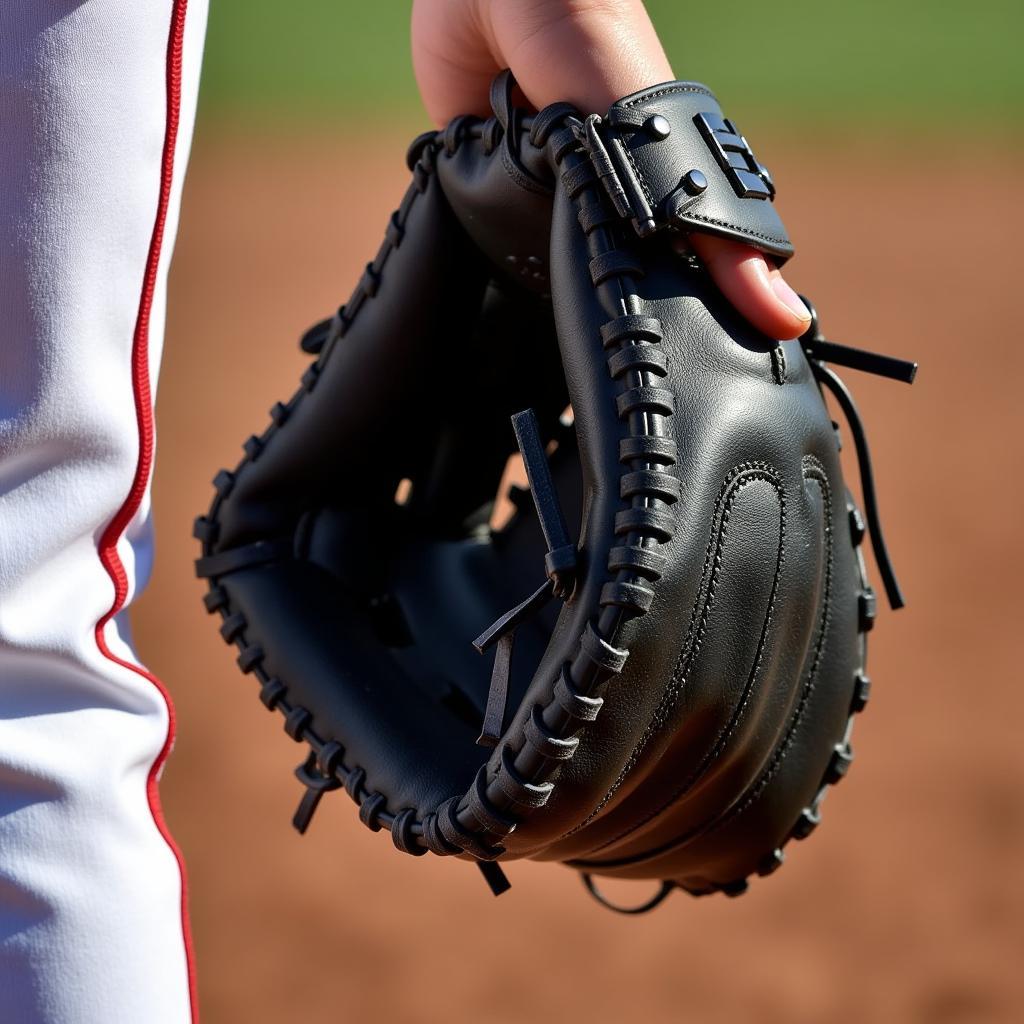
97	100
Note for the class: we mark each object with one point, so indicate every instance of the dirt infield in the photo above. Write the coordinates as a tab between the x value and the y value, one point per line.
908	903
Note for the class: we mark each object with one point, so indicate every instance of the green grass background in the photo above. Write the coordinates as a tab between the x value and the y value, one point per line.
872	66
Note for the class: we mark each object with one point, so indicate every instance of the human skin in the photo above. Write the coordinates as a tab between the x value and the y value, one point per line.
589	52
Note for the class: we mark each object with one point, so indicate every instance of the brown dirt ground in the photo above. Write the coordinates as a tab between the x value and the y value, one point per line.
907	905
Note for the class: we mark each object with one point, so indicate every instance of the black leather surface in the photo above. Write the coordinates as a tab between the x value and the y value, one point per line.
718	728
717	710
662	164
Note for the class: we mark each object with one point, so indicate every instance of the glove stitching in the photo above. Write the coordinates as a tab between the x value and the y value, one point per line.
813	470
693	642
684	87
739	227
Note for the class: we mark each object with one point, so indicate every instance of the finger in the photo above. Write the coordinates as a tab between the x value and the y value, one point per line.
451	58
589	52
755	287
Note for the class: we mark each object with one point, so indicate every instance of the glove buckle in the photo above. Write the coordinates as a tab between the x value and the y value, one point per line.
616	174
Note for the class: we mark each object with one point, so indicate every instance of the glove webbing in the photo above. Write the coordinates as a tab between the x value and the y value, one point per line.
559	562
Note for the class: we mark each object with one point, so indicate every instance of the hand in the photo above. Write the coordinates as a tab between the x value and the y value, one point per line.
589	52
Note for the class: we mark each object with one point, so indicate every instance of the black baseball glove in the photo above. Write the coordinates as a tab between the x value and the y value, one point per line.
685	586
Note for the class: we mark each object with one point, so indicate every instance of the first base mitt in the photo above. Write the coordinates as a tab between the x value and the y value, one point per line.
683	580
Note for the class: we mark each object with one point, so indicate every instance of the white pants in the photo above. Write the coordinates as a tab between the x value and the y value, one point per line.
97	99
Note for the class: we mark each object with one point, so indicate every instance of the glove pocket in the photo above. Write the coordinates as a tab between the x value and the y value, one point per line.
322	663
752	652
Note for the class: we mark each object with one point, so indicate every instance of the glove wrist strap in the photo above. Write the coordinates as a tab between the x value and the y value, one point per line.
669	159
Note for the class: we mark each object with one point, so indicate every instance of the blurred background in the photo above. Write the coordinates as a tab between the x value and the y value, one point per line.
894	130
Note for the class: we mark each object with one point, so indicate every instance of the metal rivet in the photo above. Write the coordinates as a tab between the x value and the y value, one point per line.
658	126
694	182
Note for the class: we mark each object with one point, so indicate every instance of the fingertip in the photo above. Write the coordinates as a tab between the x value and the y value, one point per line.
791	302
755	287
